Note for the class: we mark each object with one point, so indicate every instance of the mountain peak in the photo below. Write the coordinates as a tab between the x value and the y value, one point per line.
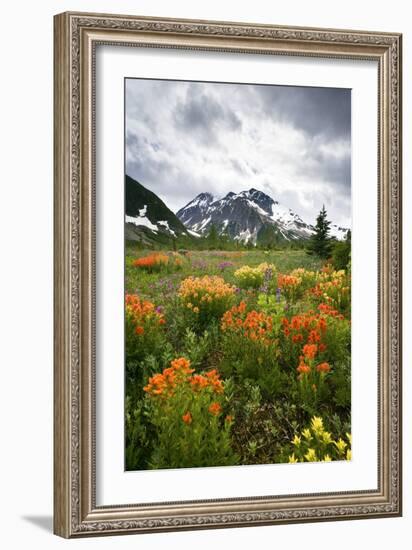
255	194
205	195
260	199
200	203
249	216
203	199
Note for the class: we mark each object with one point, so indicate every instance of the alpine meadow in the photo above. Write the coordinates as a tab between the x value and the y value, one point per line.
237	274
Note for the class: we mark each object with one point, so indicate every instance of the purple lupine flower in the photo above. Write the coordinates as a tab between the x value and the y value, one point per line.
223	265
278	294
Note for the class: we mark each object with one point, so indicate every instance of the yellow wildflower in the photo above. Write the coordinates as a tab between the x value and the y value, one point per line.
311	455
306	434
317	424
341	445
326	437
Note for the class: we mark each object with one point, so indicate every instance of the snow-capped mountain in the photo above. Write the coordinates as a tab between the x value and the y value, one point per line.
248	216
147	216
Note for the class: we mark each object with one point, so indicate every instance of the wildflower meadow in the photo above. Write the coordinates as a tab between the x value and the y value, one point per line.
236	357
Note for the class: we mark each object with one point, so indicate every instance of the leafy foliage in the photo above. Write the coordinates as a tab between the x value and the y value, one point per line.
219	372
341	252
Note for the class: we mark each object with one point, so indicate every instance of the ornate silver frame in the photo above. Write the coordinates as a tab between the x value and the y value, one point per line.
75	38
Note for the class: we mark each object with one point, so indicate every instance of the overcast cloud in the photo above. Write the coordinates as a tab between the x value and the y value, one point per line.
184	138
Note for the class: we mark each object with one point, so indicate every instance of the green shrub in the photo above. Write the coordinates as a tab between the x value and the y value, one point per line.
341	253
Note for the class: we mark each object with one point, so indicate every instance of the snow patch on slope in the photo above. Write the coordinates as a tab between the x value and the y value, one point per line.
142	220
165	224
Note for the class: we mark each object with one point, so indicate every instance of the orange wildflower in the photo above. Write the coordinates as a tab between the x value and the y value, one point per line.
314	336
303	369
212	373
141	311
198	381
309	350
153	261
326	309
139	330
296	322
217	386
165	382
215	408
254	325
214	381
323	367
288	280
187	418
182	364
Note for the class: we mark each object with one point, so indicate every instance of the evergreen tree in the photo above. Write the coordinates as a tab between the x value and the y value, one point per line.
320	243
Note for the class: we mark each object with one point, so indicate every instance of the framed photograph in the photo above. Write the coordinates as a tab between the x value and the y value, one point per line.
227	274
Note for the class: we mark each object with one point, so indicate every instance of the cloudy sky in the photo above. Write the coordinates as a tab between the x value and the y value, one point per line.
293	143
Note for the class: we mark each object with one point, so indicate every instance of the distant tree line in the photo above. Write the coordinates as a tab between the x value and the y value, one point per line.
321	244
